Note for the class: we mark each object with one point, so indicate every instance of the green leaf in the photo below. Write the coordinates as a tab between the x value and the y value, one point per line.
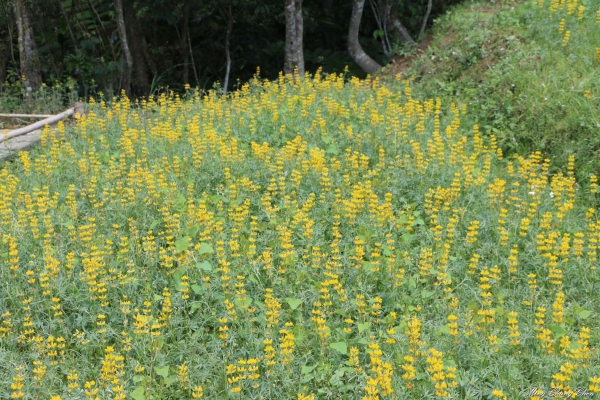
332	149
293	303
418	221
558	330
170	380
412	283
157	297
444	329
205	248
197	288
192	230
407	238
177	277
204	265
162	371
306	369
326	139
182	243
426	293
583	314
341	347
363	326
138	393
368	266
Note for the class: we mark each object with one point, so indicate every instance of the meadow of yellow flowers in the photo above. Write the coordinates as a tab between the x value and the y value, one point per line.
304	238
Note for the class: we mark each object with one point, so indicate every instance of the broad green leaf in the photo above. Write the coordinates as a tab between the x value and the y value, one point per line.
205	248
293	303
332	149
192	230
162	371
204	265
197	288
558	330
583	314
177	277
306	369
363	326
426	293
418	221
138	393
412	283
444	329
169	380
326	139
341	347
157	297
182	243
407	238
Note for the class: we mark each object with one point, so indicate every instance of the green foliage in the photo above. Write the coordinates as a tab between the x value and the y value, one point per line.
507	62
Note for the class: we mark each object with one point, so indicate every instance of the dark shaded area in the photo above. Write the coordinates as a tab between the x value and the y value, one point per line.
183	41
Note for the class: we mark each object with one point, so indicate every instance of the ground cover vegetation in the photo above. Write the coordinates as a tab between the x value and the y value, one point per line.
529	72
307	237
301	238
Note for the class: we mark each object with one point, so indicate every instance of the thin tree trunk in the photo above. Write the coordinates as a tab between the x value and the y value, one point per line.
299	38
127	58
294	30
4	57
30	66
397	27
192	57
429	5
227	53
356	51
135	35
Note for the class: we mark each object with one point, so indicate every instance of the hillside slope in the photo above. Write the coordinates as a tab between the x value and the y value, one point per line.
528	71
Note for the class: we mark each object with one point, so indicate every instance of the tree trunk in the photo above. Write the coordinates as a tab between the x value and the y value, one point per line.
356	51
227	53
127	59
397	28
429	5
30	65
135	35
299	38
294	31
4	57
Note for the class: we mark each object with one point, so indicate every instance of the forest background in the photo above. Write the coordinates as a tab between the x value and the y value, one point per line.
93	46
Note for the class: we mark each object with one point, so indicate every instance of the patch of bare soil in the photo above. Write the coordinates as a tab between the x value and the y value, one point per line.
399	64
